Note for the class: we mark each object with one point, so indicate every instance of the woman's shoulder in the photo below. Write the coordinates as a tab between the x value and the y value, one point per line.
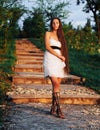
48	33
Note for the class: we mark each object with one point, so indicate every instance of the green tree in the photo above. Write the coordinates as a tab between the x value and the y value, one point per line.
53	8
34	26
87	28
10	12
94	7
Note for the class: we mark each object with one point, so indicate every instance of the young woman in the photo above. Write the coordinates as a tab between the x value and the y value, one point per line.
56	62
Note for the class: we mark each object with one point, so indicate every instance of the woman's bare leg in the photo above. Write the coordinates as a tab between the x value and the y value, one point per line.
56	83
55	109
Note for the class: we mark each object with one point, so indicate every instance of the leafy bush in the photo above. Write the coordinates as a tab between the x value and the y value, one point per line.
5	84
7	57
85	44
7	61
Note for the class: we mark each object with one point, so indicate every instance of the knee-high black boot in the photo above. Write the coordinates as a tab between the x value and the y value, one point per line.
53	107
58	111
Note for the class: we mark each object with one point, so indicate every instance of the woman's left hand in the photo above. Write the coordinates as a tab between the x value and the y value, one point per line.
62	58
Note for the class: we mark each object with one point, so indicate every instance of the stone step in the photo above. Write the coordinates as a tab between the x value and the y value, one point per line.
29	57
28	68
26	45
29	73
69	94
38	77
29	54
21	50
72	79
29	79
25	61
64	100
27	48
35	69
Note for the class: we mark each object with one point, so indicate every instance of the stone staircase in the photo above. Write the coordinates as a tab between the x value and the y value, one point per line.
29	64
29	84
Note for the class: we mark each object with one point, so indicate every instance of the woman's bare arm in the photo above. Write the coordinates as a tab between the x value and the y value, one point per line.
47	45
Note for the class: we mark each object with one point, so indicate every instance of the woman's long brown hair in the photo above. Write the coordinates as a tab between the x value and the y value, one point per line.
64	48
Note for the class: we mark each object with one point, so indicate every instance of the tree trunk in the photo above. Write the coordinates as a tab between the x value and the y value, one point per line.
97	24
99	31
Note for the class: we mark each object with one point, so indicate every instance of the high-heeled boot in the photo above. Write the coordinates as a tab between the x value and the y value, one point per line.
53	107
58	111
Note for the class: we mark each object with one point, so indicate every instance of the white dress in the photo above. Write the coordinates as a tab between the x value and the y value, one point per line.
53	66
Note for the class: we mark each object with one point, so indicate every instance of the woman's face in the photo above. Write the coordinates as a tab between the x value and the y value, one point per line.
55	24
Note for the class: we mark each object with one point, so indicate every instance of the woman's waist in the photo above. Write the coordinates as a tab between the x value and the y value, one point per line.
56	50
55	47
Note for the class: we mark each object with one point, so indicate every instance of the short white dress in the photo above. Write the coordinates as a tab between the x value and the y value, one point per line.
53	66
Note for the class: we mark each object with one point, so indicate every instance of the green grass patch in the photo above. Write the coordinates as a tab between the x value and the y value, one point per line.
7	57
86	66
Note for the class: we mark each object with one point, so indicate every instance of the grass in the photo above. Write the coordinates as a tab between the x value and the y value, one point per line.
86	66
39	43
7	60
81	64
7	57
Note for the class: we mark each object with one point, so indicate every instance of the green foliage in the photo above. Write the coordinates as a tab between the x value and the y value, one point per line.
4	85
10	12
7	60
94	7
34	26
84	39
53	8
86	66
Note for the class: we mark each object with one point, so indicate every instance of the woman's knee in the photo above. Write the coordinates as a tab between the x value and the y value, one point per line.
55	81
